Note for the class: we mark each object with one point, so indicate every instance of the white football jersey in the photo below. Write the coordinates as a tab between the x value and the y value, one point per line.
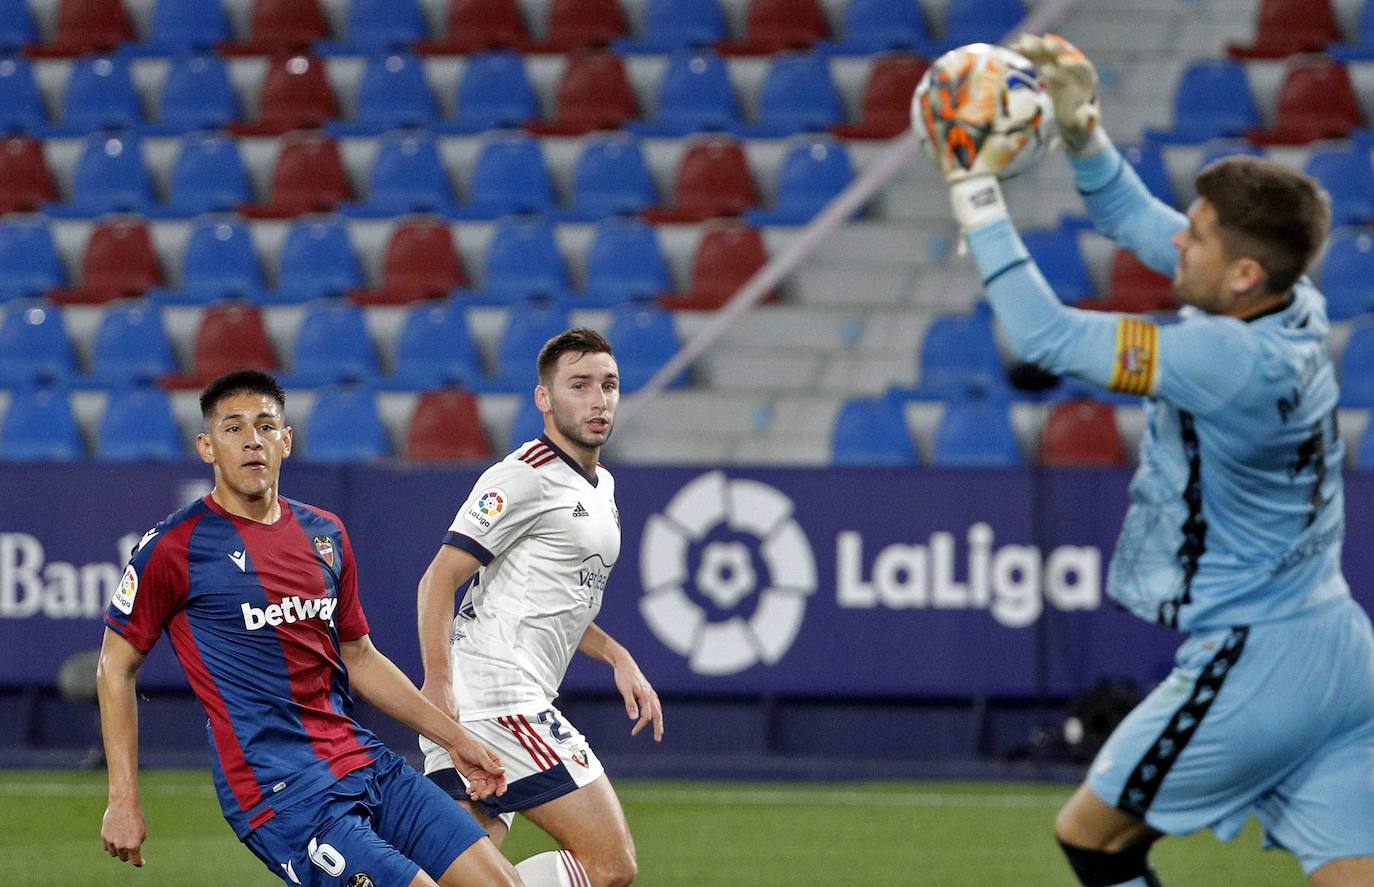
547	535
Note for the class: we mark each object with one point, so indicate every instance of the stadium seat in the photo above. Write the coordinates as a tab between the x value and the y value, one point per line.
180	26
40	427
231	336
979	21
777	25
138	426
1212	100
407	176
393	93
728	254
208	175
623	264
522	262
420	262
525	333
110	177
344	426
1363	47
1347	273
1057	254
593	94
25	183
100	95
317	260
798	95
219	262
196	95
510	176
677	24
886	110
16	25
695	93
1134	288
814	172
872	431
84	27
1316	101
582	24
33	345
21	104
610	178
131	345
976	432
528	424
119	263
1357	367
477	25
959	358
331	346
276	26
445	427
295	94
1346	175
29	264
309	176
644	338
1081	432
1148	163
1286	27
435	347
494	93
713	179
379	25
872	26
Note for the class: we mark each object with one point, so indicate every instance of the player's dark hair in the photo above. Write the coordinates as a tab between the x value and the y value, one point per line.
1267	212
579	340
240	382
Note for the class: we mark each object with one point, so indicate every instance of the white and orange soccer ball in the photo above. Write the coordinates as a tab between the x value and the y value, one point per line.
981	109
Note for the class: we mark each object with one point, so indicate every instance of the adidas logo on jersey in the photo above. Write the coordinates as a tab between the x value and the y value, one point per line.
579	511
291	609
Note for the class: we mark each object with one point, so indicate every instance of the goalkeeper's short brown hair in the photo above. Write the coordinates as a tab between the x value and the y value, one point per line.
1267	212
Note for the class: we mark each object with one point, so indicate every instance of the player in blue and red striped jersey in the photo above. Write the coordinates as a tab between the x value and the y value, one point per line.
259	595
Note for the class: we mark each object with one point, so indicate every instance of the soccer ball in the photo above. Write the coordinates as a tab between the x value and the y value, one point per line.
950	108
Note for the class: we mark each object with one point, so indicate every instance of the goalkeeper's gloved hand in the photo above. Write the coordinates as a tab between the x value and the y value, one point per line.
966	150
1071	81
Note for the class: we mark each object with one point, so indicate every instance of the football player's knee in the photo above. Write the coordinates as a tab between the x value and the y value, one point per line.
1096	868
617	870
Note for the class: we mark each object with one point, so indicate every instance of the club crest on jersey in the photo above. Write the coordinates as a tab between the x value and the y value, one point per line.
579	757
128	588
361	879
325	546
487	508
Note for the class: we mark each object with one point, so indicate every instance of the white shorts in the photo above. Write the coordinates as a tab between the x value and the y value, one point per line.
544	755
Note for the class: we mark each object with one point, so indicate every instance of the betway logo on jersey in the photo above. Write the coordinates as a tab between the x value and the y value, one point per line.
291	609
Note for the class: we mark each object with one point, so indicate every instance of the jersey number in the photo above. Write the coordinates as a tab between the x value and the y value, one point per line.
326	857
555	725
1312	454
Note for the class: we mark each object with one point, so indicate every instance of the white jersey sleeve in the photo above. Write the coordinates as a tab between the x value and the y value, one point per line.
502	506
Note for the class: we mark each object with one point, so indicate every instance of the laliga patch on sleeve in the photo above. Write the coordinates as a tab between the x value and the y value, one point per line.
487	508
126	592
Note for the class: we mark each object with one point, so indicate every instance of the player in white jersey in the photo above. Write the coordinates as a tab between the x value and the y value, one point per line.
538	536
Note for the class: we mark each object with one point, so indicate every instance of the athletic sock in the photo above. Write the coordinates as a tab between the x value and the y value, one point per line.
558	868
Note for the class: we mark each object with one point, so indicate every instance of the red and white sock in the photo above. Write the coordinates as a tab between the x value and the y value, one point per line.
558	868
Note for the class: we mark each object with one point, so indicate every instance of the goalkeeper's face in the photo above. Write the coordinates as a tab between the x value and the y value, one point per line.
1208	276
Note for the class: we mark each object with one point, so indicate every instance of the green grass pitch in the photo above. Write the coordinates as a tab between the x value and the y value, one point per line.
689	834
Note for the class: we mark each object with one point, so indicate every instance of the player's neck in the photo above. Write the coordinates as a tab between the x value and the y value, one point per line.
264	509
585	457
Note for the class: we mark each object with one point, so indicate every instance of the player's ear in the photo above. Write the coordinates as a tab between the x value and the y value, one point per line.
203	450
1246	276
286	438
541	399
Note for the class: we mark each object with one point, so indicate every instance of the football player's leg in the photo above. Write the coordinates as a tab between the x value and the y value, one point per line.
590	823
1103	845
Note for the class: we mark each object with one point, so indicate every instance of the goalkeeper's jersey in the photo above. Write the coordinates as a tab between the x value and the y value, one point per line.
1236	511
547	534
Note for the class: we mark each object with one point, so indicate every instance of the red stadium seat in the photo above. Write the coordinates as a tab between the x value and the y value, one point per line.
420	263
231	337
581	24
713	179
887	99
475	25
25	183
295	95
1316	101
86	26
309	177
120	263
276	26
729	254
1135	288
446	426
1285	27
594	94
777	25
1081	431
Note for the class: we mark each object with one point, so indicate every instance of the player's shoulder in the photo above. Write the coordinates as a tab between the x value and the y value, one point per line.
309	514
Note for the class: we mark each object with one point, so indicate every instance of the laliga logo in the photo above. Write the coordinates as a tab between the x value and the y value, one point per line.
726	574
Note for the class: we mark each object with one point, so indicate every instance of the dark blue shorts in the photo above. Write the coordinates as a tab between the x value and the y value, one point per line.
376	827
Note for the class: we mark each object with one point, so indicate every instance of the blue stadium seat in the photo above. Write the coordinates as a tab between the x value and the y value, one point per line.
798	95
208	176
110	177
644	337
178	26
525	333
958	356
814	172
332	345
39	427
675	24
344	426
196	95
435	348
131	345
29	264
694	94
16	25
377	25
138	426
407	176
33	345
1347	273
1347	176
1057	254
522	262
317	259
979	21
528	424
393	93
624	263
872	26
1357	367
976	432
1212	100
100	95
610	178
21	104
494	92
219	262
1362	50
872	431
1216	149
1148	163
510	176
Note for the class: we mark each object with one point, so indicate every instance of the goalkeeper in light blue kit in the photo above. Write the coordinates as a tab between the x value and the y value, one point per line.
1236	519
